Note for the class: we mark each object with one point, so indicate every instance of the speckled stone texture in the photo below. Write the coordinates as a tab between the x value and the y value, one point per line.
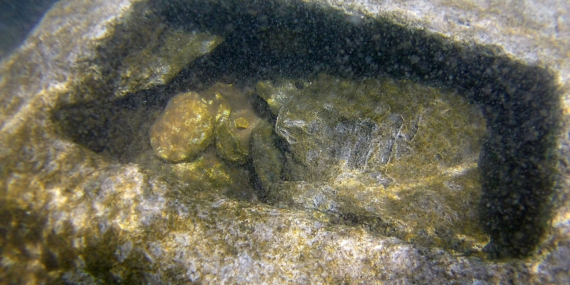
184	129
69	214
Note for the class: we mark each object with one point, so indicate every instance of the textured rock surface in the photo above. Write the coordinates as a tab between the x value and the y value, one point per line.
231	144
162	58
533	31
71	214
395	155
267	158
334	123
234	123
184	129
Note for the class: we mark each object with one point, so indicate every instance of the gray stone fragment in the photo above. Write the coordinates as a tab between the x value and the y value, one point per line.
267	158
165	52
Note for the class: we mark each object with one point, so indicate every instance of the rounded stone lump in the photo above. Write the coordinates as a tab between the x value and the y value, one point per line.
183	130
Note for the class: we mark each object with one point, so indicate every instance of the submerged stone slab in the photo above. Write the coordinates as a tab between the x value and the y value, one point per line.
377	127
164	55
397	153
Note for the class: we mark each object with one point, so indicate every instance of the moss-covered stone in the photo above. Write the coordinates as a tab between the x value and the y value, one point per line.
235	121
230	144
184	129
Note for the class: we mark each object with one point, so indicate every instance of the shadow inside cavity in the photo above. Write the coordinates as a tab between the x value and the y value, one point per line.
294	39
117	129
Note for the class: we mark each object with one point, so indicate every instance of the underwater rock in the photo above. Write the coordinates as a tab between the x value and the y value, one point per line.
166	52
232	142
184	129
413	213
241	123
276	95
267	158
235	121
210	173
69	215
368	150
373	126
206	172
